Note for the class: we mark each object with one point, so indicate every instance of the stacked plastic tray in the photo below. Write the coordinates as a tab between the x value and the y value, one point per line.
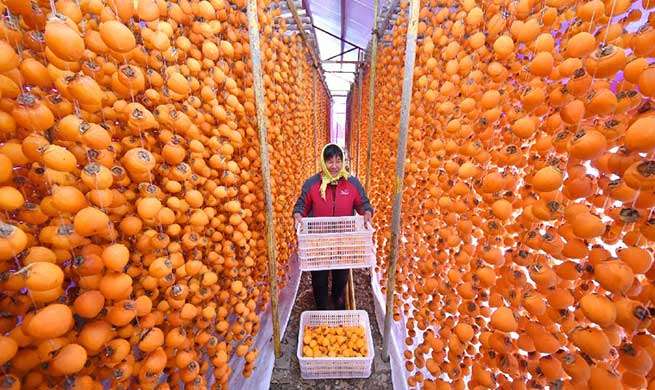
335	243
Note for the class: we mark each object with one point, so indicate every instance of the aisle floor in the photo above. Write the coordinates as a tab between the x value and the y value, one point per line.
286	373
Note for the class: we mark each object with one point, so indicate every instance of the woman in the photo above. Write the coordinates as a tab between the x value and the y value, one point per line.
331	193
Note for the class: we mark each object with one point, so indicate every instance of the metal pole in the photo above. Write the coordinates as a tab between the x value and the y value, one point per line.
342	53
348	128
300	64
260	105
359	108
339	71
303	35
339	62
341	39
371	92
316	166
351	136
351	283
347	296
408	78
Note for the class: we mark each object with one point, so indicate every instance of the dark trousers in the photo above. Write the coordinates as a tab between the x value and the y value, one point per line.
320	288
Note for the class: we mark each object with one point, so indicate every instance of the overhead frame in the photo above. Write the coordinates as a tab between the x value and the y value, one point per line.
298	18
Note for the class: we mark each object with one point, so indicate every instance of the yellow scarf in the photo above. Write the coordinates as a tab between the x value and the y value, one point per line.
326	177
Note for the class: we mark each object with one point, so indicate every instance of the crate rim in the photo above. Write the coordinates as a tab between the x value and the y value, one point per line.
367	332
336	235
370	264
367	227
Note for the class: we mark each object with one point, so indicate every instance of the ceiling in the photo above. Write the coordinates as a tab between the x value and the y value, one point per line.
358	24
324	23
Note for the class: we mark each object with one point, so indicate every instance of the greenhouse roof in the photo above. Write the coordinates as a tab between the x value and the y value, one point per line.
341	26
340	32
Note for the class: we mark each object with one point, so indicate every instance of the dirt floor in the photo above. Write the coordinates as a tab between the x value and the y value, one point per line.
286	374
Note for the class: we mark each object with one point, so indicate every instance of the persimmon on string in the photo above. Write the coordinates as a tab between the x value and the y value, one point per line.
527	217
132	192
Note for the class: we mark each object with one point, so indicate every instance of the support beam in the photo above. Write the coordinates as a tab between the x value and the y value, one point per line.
390	13
305	6
340	71
341	54
306	40
337	37
260	106
360	81
351	303
301	53
343	25
293	27
405	101
341	62
306	21
316	166
371	93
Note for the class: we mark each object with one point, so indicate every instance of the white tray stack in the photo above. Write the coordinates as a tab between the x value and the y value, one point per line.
335	243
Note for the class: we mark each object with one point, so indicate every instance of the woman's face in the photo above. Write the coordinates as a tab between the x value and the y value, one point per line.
334	165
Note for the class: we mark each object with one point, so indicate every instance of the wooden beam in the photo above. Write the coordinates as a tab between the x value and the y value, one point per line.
405	102
371	93
260	107
306	40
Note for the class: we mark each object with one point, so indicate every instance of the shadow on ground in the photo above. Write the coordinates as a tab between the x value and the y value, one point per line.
286	374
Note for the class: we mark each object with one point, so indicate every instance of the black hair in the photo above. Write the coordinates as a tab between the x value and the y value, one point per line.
332	151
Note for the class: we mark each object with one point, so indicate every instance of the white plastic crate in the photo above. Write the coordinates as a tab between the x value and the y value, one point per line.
335	367
335	243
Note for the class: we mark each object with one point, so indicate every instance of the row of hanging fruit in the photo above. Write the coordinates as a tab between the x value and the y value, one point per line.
132	244
527	222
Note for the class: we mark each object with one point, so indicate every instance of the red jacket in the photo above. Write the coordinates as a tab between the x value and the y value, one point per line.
341	200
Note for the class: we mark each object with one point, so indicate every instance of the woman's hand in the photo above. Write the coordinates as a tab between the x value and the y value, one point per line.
368	218
297	218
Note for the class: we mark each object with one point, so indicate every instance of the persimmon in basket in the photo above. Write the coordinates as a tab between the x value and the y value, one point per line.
334	341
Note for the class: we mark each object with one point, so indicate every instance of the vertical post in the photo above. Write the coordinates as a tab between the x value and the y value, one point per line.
360	76
351	283
260	105
300	64
353	139
371	92
350	123
316	157
347	296
408	79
